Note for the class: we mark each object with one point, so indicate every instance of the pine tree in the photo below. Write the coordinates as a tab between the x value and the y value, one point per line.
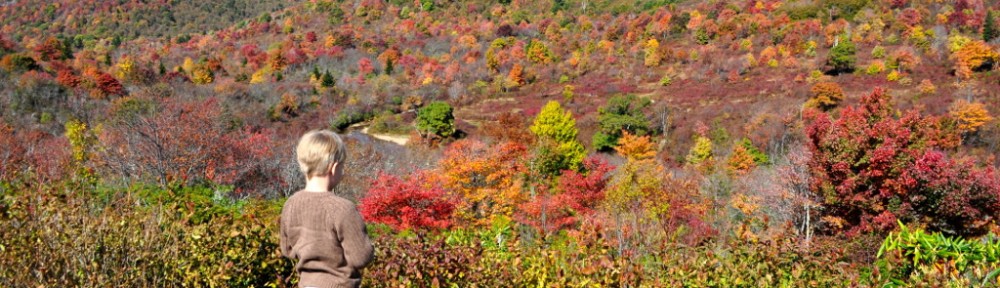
990	31
315	73
327	80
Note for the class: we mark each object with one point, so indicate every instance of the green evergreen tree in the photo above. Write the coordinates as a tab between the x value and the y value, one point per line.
427	5
327	80
67	48
990	30
621	113
388	66
558	5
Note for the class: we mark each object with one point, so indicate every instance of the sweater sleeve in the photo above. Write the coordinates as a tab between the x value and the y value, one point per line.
358	250
286	248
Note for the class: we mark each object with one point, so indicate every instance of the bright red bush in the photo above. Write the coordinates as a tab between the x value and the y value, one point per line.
870	168
31	152
414	202
547	213
66	78
586	190
108	85
576	196
6	45
365	66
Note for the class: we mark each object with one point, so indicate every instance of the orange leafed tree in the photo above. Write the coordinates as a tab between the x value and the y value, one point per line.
511	127
970	115
825	95
485	178
974	56
740	161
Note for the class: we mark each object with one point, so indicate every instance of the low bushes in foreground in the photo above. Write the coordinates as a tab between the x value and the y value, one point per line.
64	235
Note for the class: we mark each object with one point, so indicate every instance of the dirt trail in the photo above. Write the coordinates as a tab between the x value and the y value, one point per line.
398	139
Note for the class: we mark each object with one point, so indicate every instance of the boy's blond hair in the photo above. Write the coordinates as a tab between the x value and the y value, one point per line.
318	150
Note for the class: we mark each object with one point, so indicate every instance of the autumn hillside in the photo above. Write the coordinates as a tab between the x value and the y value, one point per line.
573	142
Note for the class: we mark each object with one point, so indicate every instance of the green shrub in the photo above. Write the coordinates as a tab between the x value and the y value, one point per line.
389	123
842	57
620	113
350	116
846	9
802	10
436	119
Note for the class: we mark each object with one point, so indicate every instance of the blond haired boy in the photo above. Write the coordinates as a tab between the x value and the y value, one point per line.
322	231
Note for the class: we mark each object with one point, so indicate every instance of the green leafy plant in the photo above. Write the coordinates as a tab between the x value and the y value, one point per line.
436	119
910	256
842	56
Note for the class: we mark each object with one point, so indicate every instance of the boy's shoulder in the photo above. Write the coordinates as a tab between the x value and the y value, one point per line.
319	199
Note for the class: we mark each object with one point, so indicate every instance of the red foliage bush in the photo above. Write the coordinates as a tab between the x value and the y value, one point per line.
34	153
66	78
108	85
871	168
578	195
898	3
12	156
185	142
586	190
49	50
547	213
242	159
910	17
414	202
6	45
365	66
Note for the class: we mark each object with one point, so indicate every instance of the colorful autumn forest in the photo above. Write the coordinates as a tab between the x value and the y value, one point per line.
555	143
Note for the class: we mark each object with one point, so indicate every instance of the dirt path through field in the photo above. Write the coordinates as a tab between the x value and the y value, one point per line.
398	139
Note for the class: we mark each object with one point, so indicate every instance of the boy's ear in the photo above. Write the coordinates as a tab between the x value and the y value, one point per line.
333	167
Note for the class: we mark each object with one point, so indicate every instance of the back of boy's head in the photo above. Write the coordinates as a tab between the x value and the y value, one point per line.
318	150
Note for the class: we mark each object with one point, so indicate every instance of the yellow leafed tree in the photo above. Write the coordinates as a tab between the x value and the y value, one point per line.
701	152
260	76
188	65
202	75
652	49
330	41
126	68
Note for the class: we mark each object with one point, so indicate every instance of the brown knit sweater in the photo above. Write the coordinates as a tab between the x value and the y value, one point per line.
327	236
